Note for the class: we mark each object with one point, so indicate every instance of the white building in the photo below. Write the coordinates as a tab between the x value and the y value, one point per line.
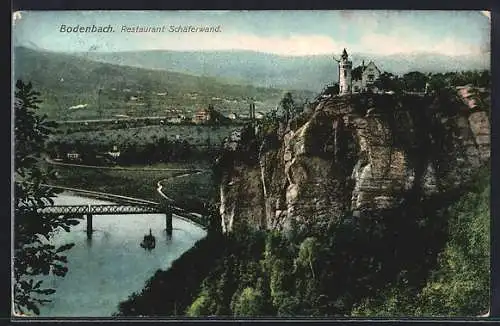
364	77
345	74
357	80
73	155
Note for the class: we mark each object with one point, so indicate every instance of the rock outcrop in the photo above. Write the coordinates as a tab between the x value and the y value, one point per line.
353	153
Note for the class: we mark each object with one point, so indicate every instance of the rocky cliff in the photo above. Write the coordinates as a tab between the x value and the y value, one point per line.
351	154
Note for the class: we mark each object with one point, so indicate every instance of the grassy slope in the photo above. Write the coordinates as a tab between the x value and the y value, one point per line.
140	184
194	135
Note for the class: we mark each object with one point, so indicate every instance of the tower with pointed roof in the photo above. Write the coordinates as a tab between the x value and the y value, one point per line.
345	74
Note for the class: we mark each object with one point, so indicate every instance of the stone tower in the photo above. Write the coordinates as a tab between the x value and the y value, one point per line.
345	74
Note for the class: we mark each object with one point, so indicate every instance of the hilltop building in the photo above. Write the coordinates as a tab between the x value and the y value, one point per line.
357	80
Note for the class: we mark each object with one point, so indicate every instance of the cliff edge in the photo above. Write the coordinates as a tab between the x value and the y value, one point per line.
352	153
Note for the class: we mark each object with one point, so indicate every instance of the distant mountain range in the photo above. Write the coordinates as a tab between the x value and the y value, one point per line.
95	89
226	79
283	72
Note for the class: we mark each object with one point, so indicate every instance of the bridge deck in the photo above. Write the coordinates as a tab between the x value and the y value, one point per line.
121	210
101	209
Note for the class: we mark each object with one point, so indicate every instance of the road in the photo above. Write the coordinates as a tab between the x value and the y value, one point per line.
112	119
160	187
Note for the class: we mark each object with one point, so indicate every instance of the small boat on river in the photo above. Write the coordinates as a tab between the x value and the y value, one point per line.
149	241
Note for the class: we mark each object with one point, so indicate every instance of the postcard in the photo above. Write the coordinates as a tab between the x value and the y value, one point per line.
215	164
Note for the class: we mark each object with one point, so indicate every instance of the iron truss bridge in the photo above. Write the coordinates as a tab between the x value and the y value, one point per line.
101	209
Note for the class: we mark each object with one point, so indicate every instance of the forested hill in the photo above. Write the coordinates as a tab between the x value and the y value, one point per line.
67	81
270	70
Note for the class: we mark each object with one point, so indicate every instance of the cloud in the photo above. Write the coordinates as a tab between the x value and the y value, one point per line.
400	42
405	43
294	45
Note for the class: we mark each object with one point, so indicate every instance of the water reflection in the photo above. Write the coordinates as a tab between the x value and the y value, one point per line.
108	267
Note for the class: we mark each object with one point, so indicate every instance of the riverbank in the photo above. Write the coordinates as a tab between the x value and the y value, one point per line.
137	181
170	292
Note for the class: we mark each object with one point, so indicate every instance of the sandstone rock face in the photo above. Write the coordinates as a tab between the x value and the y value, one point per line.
355	153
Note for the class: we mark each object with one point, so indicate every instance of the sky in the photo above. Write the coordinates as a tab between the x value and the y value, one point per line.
287	33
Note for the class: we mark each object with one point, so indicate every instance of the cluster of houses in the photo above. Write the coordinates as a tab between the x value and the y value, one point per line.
109	156
235	116
205	115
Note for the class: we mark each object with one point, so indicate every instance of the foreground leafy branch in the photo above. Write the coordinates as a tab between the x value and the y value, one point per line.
34	256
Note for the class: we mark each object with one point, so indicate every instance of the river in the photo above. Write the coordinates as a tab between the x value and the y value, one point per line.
110	267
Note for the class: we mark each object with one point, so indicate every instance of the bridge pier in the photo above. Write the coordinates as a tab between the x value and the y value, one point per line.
89	226
168	221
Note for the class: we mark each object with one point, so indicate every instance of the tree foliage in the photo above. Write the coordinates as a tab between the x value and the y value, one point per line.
414	81
200	306
34	256
249	303
362	265
287	104
389	82
459	284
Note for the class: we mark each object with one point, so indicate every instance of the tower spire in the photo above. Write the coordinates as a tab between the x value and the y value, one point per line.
344	54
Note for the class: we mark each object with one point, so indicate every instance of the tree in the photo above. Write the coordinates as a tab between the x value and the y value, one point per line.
249	303
214	219
460	284
278	266
415	81
388	82
33	254
200	306
287	105
484	79
307	254
437	82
